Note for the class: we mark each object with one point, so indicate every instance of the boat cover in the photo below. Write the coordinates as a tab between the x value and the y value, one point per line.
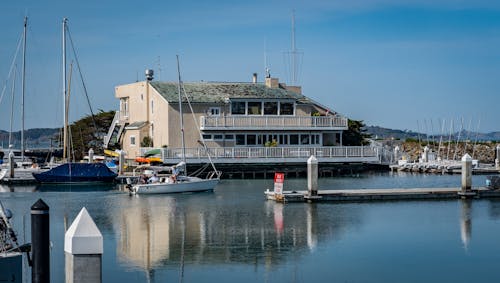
77	172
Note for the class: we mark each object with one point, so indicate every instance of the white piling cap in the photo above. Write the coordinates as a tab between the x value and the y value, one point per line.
466	157
83	236
312	159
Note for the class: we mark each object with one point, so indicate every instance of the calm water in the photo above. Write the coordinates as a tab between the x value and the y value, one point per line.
235	235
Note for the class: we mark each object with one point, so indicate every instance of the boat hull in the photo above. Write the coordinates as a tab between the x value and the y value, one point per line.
77	173
192	185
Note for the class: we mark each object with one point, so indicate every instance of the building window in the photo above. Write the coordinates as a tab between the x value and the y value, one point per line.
294	139
217	137
251	139
132	140
124	106
255	108
206	137
286	108
229	137
152	130
238	108
304	139
152	107
270	108
142	97
240	139
214	111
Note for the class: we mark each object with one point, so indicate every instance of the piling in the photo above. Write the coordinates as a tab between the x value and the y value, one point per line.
121	161
312	176
40	242
425	156
91	155
11	164
466	177
396	154
83	247
497	159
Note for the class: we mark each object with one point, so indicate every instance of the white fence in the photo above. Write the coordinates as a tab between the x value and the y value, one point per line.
273	122
268	154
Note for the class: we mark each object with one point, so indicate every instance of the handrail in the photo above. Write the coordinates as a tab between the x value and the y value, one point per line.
273	152
267	122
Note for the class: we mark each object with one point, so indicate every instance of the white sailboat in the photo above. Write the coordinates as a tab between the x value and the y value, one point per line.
24	168
181	183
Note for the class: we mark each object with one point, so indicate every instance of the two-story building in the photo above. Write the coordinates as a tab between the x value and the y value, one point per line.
237	122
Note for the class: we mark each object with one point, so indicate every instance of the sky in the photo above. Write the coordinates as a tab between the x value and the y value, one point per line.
409	65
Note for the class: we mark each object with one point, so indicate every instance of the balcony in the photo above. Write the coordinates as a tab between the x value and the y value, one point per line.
335	123
262	155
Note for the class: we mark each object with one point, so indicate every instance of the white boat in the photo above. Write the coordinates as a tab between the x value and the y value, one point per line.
181	183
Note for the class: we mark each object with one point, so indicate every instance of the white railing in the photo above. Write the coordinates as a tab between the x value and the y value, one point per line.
273	122
273	152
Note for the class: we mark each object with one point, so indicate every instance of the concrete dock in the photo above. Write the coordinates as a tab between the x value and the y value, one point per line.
382	194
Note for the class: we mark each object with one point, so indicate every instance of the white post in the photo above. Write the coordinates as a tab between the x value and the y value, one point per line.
466	173
91	155
11	164
83	246
121	161
425	156
497	159
396	154
312	176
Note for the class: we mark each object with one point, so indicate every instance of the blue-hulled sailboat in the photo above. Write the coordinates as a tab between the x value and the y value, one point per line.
73	172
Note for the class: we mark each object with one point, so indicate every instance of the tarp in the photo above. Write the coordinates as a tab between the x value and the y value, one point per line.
152	152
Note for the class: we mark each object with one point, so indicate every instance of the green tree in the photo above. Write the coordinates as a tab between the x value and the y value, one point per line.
147	141
356	134
84	134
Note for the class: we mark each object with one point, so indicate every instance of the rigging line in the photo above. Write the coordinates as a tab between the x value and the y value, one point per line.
81	78
12	107
11	66
197	127
477	135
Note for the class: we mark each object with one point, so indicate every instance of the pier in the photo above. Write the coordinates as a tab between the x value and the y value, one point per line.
382	194
314	194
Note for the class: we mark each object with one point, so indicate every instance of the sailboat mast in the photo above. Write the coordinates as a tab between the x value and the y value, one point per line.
65	128
12	106
23	87
180	113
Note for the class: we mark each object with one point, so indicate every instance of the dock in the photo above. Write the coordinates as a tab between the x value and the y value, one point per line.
354	195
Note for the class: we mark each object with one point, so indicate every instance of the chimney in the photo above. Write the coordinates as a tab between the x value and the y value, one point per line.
254	78
272	82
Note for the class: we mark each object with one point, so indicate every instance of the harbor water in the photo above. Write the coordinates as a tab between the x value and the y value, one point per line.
234	235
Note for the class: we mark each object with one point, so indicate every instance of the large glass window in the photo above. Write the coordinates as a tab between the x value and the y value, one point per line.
270	108
251	139
286	108
240	139
304	139
238	108
254	108
294	139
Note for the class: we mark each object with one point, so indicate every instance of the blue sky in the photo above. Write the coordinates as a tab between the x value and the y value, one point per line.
396	64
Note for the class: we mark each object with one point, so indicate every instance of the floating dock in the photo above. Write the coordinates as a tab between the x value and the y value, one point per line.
382	194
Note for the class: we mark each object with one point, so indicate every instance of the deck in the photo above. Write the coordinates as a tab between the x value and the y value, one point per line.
382	194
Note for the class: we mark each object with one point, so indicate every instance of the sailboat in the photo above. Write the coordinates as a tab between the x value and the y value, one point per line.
182	182
25	168
73	172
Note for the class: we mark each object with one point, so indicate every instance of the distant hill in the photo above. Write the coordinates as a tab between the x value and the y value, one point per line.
385	133
35	138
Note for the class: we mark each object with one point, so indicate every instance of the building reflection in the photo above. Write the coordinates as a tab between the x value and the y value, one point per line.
167	231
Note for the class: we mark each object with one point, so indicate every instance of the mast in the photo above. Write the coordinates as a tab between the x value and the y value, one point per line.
23	88
12	107
294	52
65	127
181	115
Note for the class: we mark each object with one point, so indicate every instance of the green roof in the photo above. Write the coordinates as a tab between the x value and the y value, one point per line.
217	92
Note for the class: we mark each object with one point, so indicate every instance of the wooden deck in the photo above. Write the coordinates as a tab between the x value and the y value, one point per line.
382	194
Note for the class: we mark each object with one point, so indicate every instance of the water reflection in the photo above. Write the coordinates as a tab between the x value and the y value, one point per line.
465	222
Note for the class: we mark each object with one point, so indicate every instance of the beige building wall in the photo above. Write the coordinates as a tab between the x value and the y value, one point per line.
159	119
137	94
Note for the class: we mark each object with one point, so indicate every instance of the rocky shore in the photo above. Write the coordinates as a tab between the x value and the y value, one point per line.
483	152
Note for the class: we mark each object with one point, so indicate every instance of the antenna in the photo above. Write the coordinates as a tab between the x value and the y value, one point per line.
293	56
159	69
